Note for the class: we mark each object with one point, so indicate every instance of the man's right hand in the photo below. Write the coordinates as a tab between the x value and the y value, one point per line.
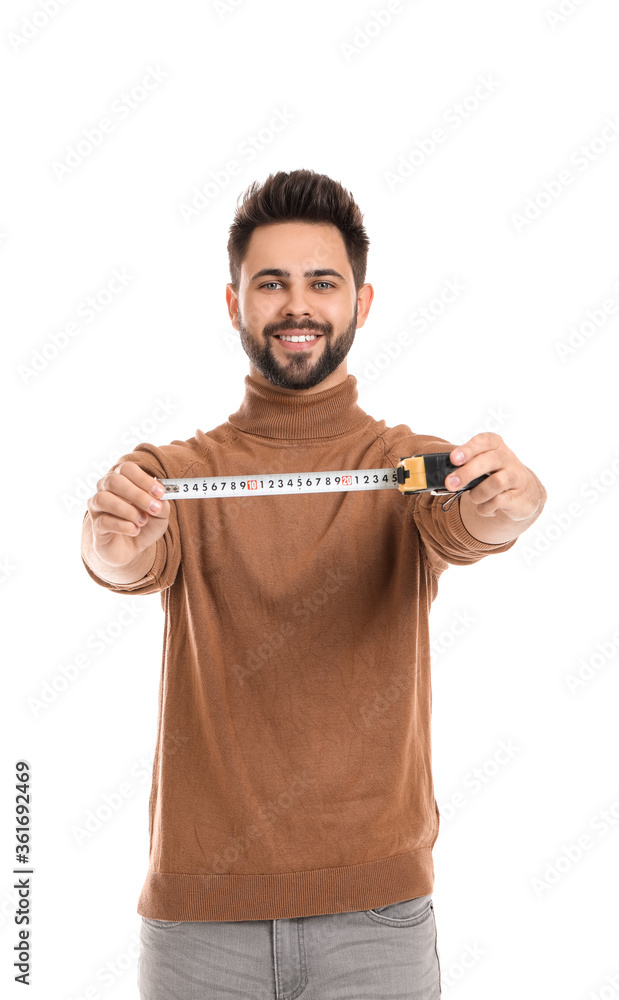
123	523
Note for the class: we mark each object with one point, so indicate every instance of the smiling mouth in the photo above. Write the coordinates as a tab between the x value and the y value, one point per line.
298	336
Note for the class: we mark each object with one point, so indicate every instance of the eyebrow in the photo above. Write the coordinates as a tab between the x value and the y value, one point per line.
277	272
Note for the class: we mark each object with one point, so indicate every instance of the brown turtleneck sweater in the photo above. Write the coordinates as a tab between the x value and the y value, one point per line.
293	771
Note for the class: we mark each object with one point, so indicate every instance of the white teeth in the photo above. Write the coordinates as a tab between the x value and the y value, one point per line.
296	340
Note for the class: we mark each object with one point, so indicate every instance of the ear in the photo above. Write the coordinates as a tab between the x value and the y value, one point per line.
233	305
364	301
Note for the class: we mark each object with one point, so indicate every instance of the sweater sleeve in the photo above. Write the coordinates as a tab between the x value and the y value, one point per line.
168	549
444	536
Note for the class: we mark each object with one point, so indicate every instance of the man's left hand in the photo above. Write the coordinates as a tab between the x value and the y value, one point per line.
510	487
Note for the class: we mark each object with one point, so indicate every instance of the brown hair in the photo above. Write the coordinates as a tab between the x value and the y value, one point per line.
299	196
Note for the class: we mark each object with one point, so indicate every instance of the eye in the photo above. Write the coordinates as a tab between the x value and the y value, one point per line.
267	283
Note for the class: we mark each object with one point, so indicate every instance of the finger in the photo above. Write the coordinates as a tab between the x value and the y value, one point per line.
488	462
109	504
109	524
495	485
479	443
137	475
502	501
111	515
135	485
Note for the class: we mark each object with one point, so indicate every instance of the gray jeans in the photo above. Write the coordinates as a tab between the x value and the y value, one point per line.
390	952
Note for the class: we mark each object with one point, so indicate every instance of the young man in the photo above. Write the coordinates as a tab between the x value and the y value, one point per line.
292	812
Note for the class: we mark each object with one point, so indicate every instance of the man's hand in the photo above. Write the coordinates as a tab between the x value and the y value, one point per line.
128	515
511	489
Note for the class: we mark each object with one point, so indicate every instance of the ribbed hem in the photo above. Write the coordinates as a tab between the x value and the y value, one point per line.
167	896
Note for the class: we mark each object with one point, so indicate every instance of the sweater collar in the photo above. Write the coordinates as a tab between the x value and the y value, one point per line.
286	414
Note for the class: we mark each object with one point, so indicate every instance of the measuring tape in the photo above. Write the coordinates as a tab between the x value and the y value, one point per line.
415	474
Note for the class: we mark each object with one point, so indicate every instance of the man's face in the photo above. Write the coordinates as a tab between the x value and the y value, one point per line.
295	280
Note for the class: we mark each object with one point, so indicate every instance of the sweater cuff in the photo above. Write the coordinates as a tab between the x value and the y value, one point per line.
456	525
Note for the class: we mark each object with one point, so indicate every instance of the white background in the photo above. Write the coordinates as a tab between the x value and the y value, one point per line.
359	103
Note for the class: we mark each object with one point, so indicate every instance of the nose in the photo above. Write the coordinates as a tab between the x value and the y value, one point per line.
296	305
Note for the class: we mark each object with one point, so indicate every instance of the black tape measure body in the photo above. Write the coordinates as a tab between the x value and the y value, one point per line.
428	472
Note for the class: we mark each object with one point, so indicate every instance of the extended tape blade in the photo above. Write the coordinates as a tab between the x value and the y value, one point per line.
414	474
275	484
